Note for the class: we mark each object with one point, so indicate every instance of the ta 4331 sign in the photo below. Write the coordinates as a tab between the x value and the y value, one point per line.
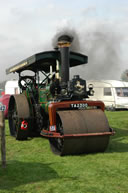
79	105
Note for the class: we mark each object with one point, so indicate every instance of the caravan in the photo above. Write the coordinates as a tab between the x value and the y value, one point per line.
12	87
113	93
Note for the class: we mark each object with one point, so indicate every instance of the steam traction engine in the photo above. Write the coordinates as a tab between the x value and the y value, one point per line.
56	107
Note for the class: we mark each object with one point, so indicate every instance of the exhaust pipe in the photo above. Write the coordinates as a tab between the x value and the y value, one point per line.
64	42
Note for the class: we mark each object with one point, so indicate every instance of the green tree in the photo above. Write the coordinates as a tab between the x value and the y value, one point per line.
124	76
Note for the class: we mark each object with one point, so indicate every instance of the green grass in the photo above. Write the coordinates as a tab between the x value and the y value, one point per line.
33	168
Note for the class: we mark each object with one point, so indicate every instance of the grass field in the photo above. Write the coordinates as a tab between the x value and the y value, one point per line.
33	168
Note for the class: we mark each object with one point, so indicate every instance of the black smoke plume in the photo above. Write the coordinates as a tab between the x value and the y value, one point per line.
75	46
101	43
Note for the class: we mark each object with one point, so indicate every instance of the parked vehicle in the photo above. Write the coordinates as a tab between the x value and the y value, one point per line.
11	87
4	101
113	93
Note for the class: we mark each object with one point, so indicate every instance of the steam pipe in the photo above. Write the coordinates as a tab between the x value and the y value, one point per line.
64	42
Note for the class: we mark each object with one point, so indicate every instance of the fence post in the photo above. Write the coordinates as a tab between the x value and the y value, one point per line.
2	134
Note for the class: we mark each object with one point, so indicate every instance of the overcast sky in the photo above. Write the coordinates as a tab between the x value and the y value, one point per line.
28	27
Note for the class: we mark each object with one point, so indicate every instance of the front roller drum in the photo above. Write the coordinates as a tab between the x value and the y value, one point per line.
18	111
81	122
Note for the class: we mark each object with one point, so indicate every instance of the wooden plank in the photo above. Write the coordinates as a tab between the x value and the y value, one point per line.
3	142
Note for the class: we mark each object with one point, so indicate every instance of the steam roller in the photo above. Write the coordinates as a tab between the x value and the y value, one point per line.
53	106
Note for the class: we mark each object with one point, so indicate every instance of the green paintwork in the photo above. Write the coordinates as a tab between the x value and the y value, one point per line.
45	97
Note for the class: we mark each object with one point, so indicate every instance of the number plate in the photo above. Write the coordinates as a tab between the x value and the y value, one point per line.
53	128
79	105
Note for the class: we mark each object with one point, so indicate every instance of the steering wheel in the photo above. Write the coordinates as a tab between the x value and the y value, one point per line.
26	82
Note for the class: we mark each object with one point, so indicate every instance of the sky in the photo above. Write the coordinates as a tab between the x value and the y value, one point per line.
100	26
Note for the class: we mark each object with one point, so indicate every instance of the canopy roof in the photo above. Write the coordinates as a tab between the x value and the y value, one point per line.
43	60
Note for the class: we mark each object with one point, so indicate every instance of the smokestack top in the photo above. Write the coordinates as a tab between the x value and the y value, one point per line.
65	41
